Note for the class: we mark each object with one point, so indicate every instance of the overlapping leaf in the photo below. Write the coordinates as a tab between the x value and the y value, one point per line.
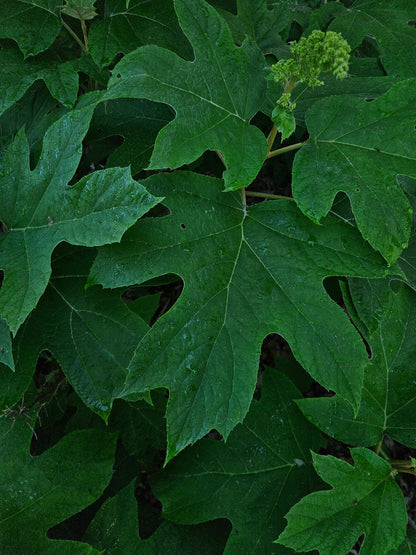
61	77
116	530
360	148
252	479
388	404
39	492
255	20
33	24
365	499
126	26
35	111
215	96
137	121
91	333
389	23
244	274
39	210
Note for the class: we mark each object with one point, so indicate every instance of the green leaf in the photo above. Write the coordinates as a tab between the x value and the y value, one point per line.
388	403
389	23
36	111
80	9
17	75
33	24
116	530
39	492
284	120
137	121
255	20
252	479
125	27
215	96
40	210
6	354
244	275
360	148
91	333
365	499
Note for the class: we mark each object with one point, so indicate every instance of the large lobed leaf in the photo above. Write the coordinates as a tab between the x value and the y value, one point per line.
388	404
360	148
252	479
40	210
244	274
214	96
39	492
91	333
365	499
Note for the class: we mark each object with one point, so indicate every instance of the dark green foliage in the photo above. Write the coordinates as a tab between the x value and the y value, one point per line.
171	266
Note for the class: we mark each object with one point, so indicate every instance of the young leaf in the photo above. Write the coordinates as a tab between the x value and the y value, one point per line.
39	210
6	354
244	274
116	530
124	28
33	24
365	499
91	333
252	479
388	403
80	9
214	96
39	492
388	23
360	148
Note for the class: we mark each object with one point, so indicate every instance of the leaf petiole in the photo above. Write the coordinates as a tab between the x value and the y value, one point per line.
284	149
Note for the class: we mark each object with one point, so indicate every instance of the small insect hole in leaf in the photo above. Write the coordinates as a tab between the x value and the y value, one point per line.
183	226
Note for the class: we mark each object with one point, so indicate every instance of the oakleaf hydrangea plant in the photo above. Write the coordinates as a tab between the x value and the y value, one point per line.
207	332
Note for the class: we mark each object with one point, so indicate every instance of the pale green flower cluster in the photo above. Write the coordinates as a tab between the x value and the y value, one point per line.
311	56
319	53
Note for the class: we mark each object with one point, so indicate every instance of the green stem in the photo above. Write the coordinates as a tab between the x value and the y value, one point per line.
243	196
271	138
75	36
85	34
265	195
284	149
378	446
